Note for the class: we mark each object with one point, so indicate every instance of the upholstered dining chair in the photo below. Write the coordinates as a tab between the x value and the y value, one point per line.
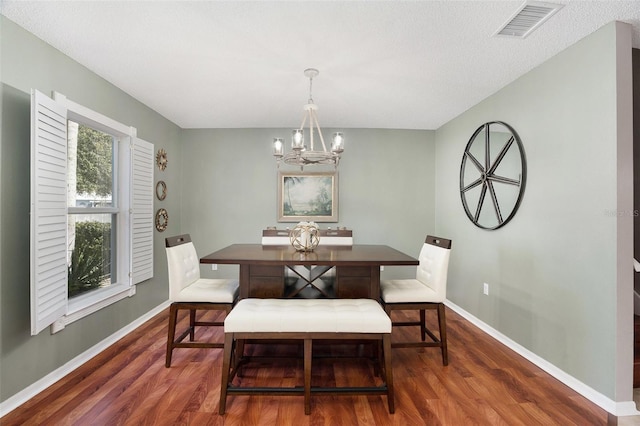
188	291
428	290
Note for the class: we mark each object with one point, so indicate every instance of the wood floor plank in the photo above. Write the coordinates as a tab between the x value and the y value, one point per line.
485	384
111	390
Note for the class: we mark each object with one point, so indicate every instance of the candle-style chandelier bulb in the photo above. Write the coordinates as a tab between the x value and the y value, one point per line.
338	143
297	139
278	147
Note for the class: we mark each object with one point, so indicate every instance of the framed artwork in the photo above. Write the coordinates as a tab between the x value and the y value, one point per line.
308	196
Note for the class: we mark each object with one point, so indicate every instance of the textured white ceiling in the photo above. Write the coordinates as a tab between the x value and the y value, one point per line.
383	64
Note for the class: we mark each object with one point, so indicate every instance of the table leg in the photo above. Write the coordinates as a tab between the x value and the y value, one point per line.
374	291
353	282
243	280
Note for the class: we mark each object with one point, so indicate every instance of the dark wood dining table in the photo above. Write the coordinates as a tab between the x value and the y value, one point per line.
262	267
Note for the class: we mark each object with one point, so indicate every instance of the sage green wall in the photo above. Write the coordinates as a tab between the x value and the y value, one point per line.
27	62
552	269
386	188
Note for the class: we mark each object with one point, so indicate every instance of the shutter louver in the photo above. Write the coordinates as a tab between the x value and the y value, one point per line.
142	217
48	211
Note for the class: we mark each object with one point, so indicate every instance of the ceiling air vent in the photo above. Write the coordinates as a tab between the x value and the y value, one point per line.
527	18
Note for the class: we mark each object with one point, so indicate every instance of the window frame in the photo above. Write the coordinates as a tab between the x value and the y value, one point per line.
85	304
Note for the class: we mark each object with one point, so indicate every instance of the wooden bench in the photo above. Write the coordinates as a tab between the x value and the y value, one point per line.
306	320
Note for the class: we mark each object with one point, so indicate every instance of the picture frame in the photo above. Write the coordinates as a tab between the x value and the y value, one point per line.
308	196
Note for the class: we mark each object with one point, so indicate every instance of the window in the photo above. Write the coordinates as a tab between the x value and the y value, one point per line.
93	214
91	211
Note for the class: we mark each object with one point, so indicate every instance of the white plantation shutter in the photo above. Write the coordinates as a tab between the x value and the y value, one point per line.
142	193
48	211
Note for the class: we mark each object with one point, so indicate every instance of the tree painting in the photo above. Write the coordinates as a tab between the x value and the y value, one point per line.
310	195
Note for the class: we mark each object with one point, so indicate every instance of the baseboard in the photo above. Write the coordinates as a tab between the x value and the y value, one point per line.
620	409
32	390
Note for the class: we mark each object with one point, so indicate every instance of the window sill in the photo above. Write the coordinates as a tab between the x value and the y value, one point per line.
83	306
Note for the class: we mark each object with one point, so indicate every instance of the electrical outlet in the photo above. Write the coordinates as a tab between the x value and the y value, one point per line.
485	289
214	267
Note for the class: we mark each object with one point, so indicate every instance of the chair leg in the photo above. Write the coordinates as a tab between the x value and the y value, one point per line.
238	353
443	333
192	324
171	334
386	353
423	325
226	366
377	355
307	376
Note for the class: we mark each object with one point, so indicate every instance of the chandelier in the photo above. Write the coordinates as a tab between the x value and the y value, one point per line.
300	154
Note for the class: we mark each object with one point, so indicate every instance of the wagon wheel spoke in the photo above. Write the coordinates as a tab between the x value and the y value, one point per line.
502	179
475	161
496	205
501	155
480	201
472	185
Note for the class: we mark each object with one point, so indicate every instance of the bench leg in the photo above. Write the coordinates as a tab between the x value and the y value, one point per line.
386	344
226	367
307	376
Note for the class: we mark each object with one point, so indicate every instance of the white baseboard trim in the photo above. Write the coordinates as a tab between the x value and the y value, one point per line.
620	409
32	390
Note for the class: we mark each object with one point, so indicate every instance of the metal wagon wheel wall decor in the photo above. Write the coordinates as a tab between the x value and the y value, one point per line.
493	174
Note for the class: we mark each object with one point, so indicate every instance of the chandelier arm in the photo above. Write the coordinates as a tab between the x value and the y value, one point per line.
312	114
315	118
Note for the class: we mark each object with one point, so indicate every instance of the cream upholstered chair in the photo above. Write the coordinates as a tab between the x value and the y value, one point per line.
428	290
188	291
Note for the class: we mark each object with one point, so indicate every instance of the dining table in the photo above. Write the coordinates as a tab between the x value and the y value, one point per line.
262	268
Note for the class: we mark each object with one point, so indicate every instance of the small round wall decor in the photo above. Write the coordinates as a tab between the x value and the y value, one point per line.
161	159
161	190
493	174
162	220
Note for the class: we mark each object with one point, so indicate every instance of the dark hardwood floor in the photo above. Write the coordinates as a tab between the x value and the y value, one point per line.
484	384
